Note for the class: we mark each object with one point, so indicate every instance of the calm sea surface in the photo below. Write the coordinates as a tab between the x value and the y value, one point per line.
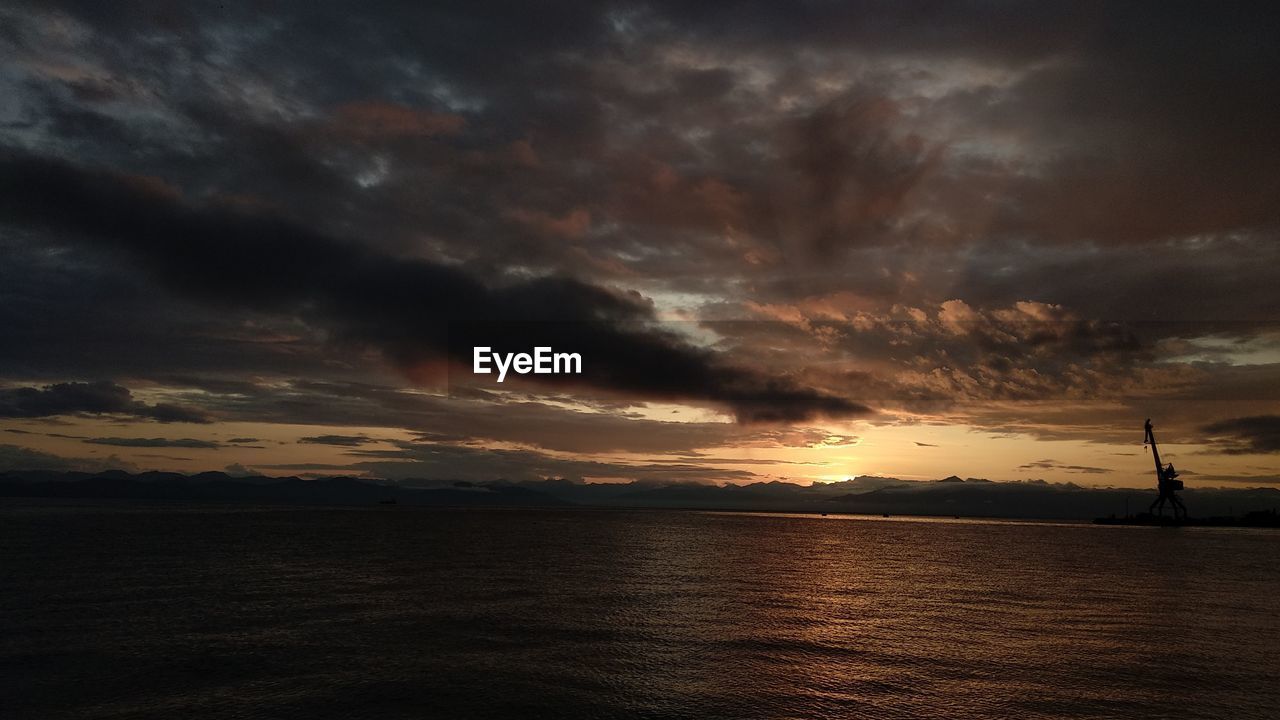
134	611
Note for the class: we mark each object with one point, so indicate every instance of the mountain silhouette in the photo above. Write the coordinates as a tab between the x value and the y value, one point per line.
950	496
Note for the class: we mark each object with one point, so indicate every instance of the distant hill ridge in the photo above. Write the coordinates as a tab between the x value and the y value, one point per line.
221	487
970	497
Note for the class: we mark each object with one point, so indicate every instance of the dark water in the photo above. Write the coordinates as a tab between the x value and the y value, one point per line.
181	612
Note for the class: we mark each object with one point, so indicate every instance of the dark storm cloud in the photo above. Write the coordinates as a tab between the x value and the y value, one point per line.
597	85
1171	121
529	422
1050	464
1188	286
86	316
154	442
165	412
1246	435
233	257
93	398
1108	124
1113	161
1136	125
854	172
1095	92
337	440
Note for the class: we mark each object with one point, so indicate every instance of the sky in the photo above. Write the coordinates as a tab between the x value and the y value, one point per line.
798	242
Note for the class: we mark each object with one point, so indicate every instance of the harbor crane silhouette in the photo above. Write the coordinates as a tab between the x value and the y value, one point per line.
1167	481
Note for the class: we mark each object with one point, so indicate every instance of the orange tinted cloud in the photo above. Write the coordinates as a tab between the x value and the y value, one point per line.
573	224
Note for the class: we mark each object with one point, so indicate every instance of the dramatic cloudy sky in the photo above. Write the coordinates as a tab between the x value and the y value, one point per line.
801	241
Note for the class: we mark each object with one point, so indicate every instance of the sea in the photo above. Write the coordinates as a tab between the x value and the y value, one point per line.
120	610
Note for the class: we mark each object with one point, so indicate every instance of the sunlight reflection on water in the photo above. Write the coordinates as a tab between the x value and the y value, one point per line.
134	611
